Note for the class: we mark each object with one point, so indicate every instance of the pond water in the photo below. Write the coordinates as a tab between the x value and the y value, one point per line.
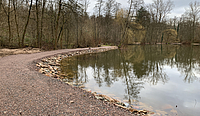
164	79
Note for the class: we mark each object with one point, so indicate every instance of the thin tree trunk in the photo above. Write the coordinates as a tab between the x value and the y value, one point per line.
16	22
77	30
67	37
9	26
193	37
29	13
52	23
0	4
57	24
41	28
37	23
61	39
8	21
60	33
126	23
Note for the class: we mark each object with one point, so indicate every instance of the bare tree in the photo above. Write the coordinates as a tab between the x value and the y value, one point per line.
16	21
26	25
85	4
109	8
132	3
98	21
42	18
8	12
57	24
116	8
160	9
193	12
37	24
99	6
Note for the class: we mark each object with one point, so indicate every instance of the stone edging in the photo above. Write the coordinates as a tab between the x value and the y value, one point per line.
50	67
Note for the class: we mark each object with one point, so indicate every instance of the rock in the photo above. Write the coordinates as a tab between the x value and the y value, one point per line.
46	70
71	102
94	93
63	75
56	68
101	98
44	60
144	111
68	83
55	76
42	71
49	75
82	86
133	110
108	98
121	106
140	111
70	75
51	67
120	103
43	66
55	72
38	65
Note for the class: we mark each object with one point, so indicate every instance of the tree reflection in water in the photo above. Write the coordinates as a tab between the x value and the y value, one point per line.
135	65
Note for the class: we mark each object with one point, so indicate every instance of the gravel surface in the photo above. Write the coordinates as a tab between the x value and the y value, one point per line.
24	91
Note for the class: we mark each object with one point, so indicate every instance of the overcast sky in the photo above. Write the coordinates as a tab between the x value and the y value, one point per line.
178	10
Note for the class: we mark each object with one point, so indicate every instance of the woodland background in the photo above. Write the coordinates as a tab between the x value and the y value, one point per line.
57	24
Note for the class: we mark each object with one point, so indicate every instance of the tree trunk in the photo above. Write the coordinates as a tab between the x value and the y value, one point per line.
26	25
193	37
9	26
8	21
16	22
61	39
37	23
57	24
126	23
44	2
0	4
77	30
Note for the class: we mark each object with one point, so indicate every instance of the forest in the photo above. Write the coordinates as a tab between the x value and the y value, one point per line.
58	24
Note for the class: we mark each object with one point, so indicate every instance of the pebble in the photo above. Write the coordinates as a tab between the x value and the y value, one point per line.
82	86
71	102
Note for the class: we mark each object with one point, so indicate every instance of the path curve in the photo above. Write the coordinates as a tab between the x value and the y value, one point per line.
24	91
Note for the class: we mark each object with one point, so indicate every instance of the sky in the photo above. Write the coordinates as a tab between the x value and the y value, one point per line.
178	10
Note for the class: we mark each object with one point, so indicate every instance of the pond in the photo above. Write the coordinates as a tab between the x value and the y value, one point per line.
164	79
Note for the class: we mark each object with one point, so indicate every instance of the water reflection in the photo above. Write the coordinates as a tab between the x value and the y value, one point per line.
134	66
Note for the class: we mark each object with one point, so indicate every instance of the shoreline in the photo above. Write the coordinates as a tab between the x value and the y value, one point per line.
49	66
25	91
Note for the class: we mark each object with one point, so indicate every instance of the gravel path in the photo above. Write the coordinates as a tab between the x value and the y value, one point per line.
24	91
